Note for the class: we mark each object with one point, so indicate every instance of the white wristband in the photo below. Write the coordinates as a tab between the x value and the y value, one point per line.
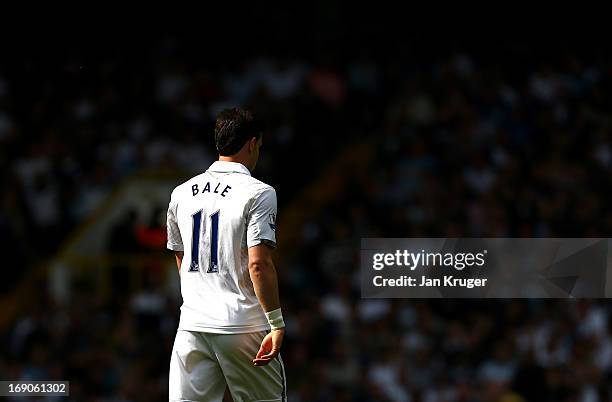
275	319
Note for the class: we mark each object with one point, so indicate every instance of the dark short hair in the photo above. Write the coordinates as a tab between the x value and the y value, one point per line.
233	128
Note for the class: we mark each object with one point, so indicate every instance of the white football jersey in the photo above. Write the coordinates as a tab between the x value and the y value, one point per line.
213	218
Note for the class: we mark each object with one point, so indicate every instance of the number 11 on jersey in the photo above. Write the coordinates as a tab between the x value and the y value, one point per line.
214	242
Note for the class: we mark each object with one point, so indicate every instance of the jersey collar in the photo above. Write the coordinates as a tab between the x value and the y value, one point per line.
227	167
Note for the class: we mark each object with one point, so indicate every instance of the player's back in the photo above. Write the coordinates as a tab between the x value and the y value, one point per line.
214	217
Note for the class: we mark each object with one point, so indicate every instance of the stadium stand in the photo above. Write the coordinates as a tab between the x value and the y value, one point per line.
451	145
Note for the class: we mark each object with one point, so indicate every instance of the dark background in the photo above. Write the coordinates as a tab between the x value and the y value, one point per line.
379	127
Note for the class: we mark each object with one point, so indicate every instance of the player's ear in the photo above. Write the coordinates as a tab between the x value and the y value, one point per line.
252	144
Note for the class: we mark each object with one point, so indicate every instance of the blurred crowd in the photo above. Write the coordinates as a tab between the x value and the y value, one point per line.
469	150
459	147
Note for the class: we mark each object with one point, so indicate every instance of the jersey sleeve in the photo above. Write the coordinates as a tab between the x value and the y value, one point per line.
175	242
261	226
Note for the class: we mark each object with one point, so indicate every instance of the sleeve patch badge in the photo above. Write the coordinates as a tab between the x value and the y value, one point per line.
272	221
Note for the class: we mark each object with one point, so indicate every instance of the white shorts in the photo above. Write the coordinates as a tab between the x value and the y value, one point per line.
203	364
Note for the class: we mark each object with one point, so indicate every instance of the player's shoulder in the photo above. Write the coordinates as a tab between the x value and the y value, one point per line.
184	187
257	187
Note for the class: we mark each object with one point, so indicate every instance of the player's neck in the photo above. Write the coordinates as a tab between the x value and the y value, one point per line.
234	159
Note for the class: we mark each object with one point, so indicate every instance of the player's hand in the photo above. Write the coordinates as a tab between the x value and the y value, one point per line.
270	346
